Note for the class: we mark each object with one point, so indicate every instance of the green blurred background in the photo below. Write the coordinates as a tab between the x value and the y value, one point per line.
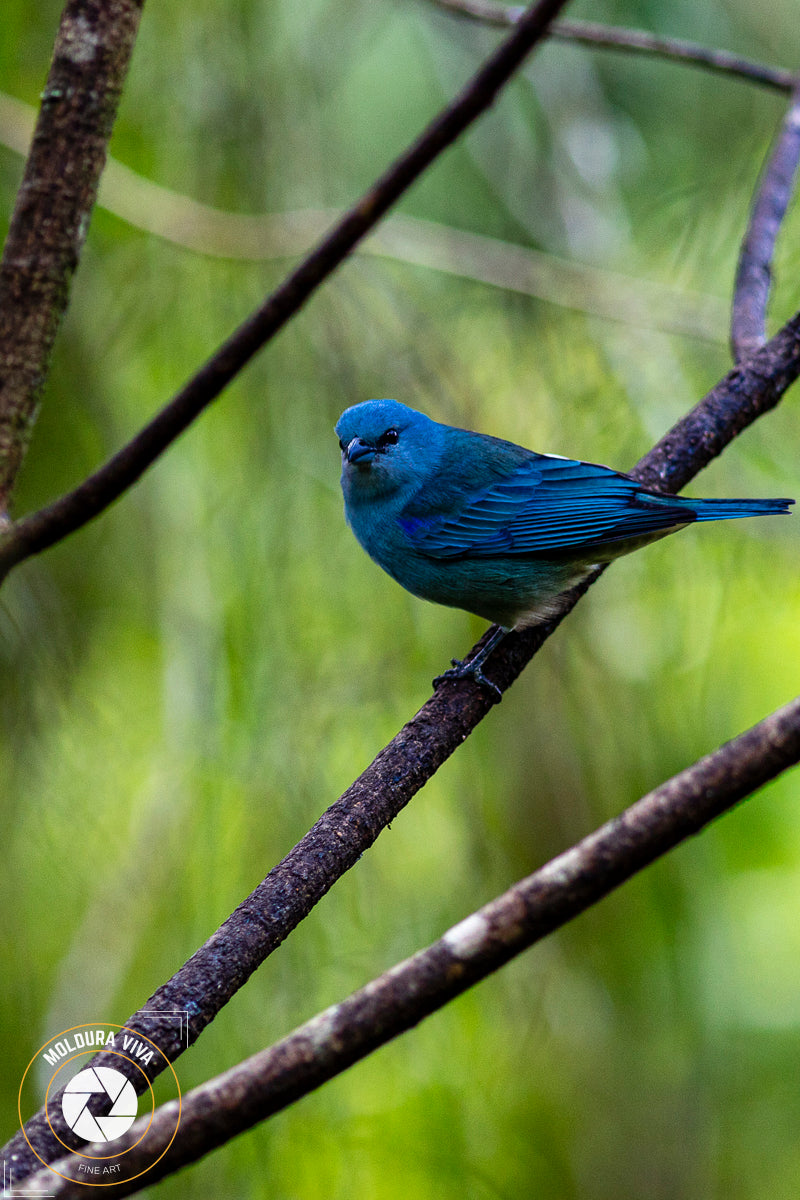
190	681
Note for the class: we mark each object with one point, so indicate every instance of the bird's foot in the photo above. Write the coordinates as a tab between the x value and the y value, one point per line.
464	669
473	668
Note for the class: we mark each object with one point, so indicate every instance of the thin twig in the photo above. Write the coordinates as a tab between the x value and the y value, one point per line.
220	967
40	530
216	971
206	230
327	1044
754	271
633	41
54	205
184	221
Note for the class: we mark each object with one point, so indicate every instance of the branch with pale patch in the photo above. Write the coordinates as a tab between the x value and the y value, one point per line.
329	1043
54	205
217	970
353	823
42	529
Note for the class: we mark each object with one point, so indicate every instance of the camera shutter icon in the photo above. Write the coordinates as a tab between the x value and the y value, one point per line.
100	1082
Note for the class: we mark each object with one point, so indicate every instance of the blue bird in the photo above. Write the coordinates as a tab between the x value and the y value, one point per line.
478	523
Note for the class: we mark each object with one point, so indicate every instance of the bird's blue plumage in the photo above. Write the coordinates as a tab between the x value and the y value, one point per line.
479	523
546	504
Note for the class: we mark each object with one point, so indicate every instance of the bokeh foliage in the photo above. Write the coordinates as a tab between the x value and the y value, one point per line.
188	682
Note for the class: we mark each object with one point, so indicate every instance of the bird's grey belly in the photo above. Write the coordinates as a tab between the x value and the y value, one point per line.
508	591
512	591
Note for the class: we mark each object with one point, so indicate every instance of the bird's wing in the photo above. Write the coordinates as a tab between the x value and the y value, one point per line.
546	504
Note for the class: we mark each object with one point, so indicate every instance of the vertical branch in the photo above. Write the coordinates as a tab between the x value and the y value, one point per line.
54	205
96	493
754	271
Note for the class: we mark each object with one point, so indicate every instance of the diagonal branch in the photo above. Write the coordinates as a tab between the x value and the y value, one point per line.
54	205
217	970
326	1045
40	530
353	823
215	232
754	271
632	41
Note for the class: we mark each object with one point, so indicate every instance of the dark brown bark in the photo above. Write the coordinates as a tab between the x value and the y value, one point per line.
209	979
40	530
54	204
329	1043
205	984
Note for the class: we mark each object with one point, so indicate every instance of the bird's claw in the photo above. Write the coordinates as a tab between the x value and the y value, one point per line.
462	669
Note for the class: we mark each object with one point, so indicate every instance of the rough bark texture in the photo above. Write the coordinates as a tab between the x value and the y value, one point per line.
209	979
330	1042
204	984
42	529
54	205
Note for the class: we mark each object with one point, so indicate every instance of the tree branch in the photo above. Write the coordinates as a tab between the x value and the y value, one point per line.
754	271
351	825
333	1040
216	232
747	392
217	970
42	529
54	205
633	41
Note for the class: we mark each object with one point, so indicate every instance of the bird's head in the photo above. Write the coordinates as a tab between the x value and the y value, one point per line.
386	447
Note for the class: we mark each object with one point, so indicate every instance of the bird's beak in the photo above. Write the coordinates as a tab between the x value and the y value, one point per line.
358	451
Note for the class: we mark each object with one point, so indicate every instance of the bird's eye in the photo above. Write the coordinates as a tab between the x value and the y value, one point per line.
388	439
342	445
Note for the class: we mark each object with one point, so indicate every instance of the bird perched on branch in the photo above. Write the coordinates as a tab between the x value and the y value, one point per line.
478	523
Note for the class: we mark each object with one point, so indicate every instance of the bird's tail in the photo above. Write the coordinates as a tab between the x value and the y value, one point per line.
721	510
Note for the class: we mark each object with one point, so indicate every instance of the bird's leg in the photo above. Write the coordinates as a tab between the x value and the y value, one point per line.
473	668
